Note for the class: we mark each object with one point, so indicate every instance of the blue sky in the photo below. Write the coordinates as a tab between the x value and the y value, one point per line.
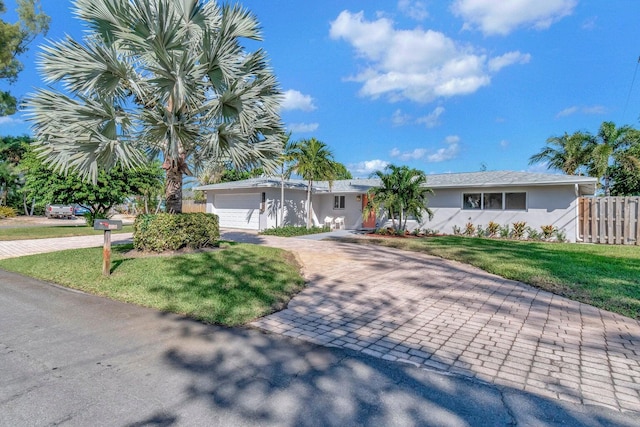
442	86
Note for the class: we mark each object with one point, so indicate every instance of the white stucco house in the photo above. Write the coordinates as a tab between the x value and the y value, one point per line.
504	197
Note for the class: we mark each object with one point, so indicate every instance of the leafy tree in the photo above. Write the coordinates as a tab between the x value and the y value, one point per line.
566	153
402	192
313	161
625	177
610	146
167	77
12	149
341	171
110	189
14	41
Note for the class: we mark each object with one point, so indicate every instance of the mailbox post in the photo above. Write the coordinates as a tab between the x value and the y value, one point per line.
107	225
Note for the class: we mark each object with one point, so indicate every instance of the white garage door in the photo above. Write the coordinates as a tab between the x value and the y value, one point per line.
238	210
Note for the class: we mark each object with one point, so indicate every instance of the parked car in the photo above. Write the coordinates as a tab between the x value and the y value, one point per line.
80	210
59	211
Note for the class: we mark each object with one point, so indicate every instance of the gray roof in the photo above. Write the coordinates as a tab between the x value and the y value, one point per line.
587	185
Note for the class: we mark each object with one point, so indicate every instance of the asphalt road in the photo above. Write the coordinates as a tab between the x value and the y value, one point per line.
67	358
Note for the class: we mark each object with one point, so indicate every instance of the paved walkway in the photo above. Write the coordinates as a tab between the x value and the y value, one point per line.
16	248
447	316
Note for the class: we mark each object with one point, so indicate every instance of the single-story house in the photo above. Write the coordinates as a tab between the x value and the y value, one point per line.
504	197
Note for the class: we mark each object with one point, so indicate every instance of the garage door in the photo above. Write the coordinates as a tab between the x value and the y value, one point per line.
238	210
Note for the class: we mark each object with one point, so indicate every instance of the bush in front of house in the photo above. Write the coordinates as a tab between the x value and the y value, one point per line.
7	212
170	232
293	231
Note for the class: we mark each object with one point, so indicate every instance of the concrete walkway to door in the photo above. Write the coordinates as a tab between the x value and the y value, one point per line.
448	316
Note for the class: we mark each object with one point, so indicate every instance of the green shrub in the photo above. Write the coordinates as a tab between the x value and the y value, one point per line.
533	234
292	231
456	230
480	232
7	212
505	231
170	232
561	236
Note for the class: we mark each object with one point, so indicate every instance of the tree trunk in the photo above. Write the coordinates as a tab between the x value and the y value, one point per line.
282	198
309	204
175	168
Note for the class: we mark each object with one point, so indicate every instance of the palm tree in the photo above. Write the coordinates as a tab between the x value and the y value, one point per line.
163	78
610	146
567	153
402	192
312	160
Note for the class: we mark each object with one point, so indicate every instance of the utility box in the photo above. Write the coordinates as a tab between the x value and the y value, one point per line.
107	224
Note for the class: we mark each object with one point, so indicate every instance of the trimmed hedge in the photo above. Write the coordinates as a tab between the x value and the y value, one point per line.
170	232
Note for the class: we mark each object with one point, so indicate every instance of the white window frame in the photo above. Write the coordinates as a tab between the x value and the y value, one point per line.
504	201
338	201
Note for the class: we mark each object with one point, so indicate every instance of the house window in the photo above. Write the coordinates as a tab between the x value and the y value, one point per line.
495	201
338	202
515	201
471	200
492	201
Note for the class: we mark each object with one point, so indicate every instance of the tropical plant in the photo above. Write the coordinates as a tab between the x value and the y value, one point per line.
341	171
167	78
14	41
518	229
313	161
612	146
402	193
469	229
493	228
566	153
12	149
548	231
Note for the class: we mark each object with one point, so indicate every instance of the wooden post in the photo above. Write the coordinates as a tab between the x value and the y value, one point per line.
106	254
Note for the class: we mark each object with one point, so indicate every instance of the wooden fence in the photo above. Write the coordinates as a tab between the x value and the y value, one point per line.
610	220
190	206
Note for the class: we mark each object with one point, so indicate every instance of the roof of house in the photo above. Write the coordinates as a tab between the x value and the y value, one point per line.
587	185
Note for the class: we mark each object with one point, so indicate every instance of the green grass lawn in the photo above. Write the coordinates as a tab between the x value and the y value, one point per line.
43	232
604	276
228	286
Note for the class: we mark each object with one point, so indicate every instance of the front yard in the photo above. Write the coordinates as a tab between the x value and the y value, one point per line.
604	276
229	286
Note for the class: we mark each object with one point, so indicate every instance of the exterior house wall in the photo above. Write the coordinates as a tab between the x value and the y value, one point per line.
548	205
323	206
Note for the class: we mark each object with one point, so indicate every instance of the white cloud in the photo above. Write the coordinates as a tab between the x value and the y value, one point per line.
415	154
590	23
499	62
367	167
9	120
414	9
432	119
449	152
295	100
398	118
502	17
504	143
418	65
303	127
574	109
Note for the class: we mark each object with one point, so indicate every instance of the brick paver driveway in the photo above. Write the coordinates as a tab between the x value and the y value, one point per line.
440	314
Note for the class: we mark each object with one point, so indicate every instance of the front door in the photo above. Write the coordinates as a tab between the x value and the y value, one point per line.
370	221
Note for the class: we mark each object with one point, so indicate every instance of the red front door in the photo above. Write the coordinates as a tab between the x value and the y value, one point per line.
370	221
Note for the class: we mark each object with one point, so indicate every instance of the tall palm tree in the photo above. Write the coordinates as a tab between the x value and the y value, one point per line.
611	145
402	192
313	161
567	153
163	78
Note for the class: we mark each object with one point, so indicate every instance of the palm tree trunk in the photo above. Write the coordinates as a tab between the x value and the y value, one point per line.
281	198
309	204
173	187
